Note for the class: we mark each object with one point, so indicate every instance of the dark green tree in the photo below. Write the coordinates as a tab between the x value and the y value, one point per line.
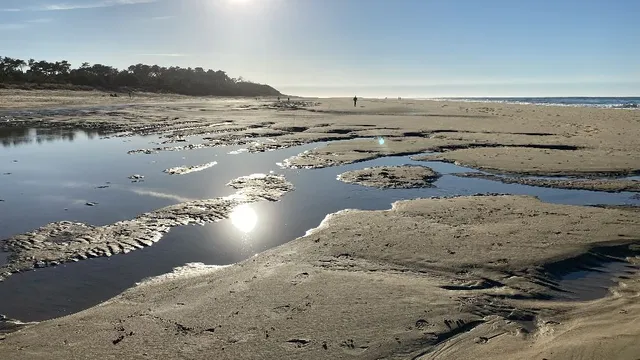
153	78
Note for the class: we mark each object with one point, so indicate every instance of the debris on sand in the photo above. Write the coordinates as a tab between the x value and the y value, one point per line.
182	170
136	178
392	177
291	105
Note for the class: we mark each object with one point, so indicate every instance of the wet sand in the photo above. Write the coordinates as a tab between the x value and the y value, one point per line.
607	185
523	139
468	284
465	277
392	177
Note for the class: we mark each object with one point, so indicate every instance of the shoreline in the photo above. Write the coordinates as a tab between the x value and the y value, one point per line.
630	105
121	100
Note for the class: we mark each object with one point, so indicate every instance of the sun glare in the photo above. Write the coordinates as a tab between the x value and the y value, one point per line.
244	218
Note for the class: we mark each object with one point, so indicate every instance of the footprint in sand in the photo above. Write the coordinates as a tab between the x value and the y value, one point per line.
299	278
298	343
349	347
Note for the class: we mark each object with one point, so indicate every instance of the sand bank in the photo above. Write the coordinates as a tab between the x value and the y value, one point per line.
391	177
461	277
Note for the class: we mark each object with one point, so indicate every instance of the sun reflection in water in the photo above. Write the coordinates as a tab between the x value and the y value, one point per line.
244	218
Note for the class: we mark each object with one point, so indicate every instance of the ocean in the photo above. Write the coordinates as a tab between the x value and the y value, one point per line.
600	102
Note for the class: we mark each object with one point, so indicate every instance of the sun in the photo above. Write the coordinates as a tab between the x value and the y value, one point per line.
244	218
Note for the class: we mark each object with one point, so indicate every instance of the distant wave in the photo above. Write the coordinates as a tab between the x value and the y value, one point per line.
599	102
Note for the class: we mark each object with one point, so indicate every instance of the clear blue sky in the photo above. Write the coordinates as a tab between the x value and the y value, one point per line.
342	47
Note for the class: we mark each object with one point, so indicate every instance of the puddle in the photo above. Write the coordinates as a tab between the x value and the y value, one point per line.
53	180
591	275
594	283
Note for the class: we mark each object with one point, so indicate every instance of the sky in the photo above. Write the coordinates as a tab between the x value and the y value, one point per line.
409	48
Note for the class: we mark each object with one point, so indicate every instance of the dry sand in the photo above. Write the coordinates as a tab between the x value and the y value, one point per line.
461	278
35	99
432	276
542	140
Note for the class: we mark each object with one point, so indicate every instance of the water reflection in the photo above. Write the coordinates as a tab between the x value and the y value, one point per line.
15	136
244	218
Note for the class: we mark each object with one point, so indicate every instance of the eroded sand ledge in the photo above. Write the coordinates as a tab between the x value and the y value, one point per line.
183	170
66	241
608	185
429	277
392	177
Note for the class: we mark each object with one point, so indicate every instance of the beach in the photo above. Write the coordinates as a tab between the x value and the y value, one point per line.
466	275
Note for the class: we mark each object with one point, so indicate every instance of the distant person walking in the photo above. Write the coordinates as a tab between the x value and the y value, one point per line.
355	101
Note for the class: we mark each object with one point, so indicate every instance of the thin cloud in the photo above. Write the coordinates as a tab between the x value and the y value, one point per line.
12	26
160	18
24	24
39	21
87	5
164	55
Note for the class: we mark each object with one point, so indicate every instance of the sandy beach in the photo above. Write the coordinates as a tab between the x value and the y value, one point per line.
464	277
506	138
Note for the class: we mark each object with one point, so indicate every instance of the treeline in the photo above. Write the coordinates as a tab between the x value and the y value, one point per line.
140	77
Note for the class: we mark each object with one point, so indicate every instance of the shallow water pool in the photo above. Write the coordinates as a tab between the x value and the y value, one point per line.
52	175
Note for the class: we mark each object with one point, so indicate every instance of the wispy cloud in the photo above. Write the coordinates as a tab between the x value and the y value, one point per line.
164	55
39	21
14	26
23	24
159	18
86	5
